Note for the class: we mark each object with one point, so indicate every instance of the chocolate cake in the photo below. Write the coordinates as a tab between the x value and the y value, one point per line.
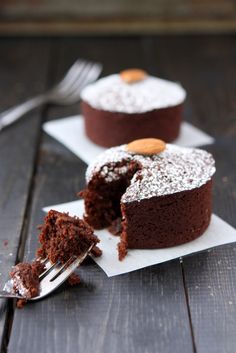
25	278
117	110
63	237
162	195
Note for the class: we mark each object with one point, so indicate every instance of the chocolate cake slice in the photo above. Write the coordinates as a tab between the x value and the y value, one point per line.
25	278
163	196
63	237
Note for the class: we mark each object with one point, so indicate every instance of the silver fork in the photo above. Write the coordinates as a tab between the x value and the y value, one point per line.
51	278
66	92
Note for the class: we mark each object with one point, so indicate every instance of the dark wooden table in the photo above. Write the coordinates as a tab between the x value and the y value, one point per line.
174	307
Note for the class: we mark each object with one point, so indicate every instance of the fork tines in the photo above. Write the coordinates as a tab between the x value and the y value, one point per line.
56	274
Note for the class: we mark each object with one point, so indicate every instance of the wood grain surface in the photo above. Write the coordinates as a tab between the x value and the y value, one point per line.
111	16
210	276
18	146
174	307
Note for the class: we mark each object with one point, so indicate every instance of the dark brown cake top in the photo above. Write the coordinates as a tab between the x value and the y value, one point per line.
173	170
63	237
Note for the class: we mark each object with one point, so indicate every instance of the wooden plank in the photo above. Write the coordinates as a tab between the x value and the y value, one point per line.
116	26
111	8
141	311
18	146
111	16
210	276
206	68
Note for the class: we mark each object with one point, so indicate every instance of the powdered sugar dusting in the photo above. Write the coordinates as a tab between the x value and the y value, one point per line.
112	94
19	286
171	173
175	169
16	286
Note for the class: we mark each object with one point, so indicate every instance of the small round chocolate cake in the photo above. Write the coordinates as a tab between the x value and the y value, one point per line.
132	105
161	192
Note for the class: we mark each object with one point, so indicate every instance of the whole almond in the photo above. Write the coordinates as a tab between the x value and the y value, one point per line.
133	75
146	146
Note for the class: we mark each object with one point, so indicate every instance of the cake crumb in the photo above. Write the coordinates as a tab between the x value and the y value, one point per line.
73	280
122	249
96	251
20	303
115	228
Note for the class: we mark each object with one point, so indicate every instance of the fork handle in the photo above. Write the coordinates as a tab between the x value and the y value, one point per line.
11	115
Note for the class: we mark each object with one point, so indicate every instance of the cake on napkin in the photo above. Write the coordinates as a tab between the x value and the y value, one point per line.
132	105
161	192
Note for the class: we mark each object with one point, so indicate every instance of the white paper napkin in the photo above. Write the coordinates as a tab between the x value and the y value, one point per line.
219	232
70	132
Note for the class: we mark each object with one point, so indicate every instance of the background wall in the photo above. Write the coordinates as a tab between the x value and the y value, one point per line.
123	16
